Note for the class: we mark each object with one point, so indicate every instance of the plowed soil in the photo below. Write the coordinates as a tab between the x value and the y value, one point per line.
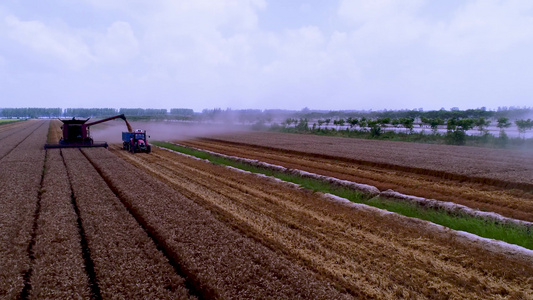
363	254
512	199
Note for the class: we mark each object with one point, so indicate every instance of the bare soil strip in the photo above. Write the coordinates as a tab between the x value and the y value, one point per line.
20	184
126	261
220	261
507	202
364	254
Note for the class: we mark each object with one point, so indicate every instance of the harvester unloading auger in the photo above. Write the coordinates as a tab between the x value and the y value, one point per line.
76	133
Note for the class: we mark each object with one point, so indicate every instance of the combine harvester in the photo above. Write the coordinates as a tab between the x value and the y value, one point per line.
76	134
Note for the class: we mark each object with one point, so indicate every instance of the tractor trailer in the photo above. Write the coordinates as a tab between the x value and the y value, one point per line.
136	141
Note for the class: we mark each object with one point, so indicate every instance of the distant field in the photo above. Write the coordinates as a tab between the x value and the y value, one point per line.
6	121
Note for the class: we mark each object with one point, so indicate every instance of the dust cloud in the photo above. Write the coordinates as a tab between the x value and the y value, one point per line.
111	132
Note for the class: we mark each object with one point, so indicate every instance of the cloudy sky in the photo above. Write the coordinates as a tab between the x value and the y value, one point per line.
289	54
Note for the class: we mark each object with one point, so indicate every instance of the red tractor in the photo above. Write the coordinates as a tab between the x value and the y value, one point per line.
136	141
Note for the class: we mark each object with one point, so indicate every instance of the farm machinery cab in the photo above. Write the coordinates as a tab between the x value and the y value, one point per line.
136	141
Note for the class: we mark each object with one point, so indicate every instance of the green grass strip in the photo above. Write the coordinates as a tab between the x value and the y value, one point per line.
489	229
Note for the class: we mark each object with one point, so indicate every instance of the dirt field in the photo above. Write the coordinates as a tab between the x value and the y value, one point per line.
508	195
511	168
162	225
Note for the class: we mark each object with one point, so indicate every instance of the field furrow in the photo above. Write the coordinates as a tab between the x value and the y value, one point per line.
360	252
221	261
126	261
508	202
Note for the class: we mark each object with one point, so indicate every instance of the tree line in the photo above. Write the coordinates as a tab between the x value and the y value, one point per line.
36	112
456	128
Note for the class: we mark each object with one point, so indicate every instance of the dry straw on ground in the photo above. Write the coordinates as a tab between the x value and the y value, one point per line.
126	260
222	262
507	202
363	254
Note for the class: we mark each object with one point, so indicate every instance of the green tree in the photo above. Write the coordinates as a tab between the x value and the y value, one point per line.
383	122
434	124
363	123
302	125
524	125
353	122
340	123
375	130
503	122
396	123
481	124
457	128
408	124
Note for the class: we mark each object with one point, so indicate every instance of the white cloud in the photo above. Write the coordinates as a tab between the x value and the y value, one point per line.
375	25
118	45
486	26
221	54
61	45
376	10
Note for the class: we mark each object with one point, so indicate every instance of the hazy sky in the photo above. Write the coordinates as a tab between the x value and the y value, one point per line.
346	54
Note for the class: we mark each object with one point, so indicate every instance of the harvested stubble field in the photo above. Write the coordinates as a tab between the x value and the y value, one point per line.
486	179
364	254
96	224
22	160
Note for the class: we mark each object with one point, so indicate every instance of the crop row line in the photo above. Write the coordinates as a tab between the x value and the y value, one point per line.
191	283
86	252
517	232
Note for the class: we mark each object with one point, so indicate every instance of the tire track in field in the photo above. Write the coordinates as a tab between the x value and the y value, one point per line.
511	203
367	255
